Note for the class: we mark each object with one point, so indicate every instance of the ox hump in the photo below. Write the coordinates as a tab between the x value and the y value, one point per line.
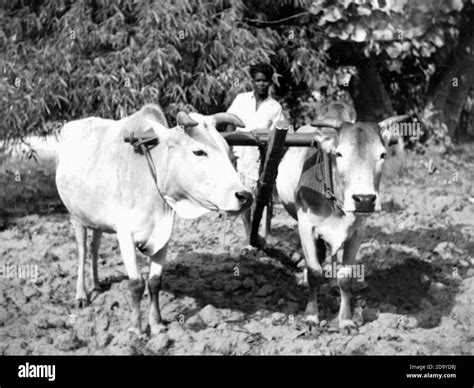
154	112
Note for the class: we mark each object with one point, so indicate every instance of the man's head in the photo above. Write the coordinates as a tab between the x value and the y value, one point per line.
261	74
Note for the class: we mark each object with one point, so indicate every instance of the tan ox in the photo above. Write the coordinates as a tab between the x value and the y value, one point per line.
108	187
356	153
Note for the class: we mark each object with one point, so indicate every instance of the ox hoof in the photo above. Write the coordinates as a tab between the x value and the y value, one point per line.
312	320
98	288
135	330
259	243
82	303
95	292
348	327
250	252
157	328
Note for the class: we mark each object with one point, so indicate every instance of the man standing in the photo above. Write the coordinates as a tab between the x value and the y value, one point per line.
259	112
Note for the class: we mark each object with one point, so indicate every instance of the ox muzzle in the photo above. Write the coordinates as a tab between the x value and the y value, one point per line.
364	203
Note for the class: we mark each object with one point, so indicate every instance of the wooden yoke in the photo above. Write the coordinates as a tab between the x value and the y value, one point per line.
276	144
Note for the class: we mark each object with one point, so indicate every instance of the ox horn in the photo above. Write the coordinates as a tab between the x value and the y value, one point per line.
183	119
394	119
228	118
330	123
390	137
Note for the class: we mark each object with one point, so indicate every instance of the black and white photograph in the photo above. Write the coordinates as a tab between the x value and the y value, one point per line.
237	178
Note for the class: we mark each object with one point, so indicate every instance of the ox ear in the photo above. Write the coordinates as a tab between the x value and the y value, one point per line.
389	136
206	132
184	120
326	137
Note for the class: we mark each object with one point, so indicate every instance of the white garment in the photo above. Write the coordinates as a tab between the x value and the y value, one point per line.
266	117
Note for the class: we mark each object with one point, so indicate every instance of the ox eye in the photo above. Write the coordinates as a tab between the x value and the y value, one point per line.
338	155
199	153
383	155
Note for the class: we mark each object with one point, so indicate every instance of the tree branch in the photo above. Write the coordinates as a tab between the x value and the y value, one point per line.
275	22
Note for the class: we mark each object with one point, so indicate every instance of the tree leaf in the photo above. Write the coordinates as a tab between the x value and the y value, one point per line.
360	34
394	50
364	10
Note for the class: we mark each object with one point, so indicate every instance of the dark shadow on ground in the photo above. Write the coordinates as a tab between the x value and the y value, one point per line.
424	240
242	284
405	287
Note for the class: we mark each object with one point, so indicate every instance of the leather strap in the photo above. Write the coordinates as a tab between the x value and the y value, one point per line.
150	163
326	175
329	182
143	147
148	143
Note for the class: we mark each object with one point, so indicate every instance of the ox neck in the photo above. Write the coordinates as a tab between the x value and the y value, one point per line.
146	151
184	204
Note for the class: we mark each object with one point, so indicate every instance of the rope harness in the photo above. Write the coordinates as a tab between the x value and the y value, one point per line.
143	147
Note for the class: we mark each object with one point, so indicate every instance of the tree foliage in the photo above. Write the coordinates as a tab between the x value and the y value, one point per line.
64	60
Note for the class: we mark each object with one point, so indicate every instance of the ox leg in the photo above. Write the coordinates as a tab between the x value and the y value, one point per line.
246	219
136	281
344	280
81	240
154	286
94	249
314	269
267	221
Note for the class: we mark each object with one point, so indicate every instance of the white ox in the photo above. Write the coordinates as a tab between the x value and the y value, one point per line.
356	152
108	187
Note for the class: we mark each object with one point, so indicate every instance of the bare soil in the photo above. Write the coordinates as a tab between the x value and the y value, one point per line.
417	296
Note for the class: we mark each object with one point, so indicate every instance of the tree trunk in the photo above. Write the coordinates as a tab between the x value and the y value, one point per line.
467	117
372	103
449	95
371	99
